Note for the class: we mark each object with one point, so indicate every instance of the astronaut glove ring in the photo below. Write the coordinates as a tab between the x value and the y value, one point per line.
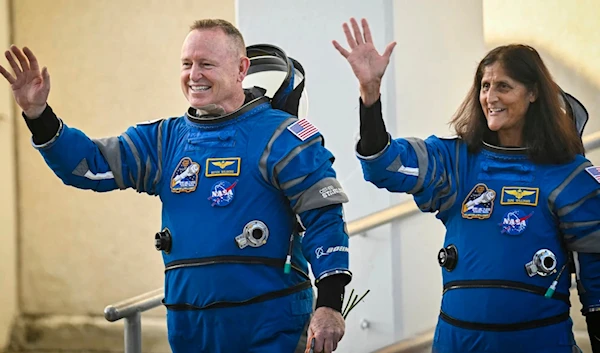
255	234
543	263
162	241
448	257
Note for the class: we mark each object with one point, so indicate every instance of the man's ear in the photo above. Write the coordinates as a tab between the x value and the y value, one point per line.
243	67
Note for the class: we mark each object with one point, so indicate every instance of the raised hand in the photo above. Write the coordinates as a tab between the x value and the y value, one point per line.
30	86
367	64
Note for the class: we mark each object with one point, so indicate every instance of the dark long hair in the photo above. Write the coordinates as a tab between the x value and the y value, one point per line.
549	133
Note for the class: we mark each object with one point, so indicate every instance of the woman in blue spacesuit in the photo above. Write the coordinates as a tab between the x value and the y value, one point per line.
513	187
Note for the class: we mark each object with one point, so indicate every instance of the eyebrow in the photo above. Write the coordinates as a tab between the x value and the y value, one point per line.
483	80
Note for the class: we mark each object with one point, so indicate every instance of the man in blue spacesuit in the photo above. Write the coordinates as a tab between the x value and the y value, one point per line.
519	201
239	182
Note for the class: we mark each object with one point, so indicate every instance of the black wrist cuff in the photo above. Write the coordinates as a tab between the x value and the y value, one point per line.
593	325
44	128
331	292
373	135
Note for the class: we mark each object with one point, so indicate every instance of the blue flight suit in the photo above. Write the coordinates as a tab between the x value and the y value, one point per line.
499	210
237	193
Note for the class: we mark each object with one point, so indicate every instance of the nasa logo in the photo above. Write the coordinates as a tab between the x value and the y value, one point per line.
514	222
222	193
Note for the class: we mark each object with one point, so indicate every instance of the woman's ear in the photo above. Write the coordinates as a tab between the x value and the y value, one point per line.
533	94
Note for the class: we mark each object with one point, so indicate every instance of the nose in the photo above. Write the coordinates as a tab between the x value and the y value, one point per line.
492	97
195	73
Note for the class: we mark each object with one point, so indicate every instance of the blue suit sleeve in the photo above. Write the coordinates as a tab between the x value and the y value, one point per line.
427	169
302	170
127	161
576	203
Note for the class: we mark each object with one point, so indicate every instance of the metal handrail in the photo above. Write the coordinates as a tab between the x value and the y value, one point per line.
131	309
130	306
592	141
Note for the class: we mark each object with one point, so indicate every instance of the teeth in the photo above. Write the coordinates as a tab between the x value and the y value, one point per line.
199	88
496	110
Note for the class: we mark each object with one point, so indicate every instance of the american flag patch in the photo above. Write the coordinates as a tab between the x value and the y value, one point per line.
594	172
303	129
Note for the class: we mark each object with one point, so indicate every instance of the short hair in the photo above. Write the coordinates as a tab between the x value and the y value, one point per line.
227	28
549	133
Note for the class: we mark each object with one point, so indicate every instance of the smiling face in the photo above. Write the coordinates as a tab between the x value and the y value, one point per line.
504	102
212	70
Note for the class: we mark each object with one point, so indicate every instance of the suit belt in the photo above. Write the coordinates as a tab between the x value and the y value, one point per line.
231	259
525	325
259	298
486	283
250	260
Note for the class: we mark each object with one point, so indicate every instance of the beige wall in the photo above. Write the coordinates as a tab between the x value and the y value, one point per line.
8	207
566	30
112	64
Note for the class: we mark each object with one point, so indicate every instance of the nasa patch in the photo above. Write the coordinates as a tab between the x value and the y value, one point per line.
185	176
479	203
222	193
515	222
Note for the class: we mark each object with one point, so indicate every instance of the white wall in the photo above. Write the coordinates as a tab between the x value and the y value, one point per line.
439	44
304	29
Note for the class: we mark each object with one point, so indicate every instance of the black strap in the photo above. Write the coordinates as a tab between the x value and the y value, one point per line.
292	103
259	298
488	283
526	325
232	259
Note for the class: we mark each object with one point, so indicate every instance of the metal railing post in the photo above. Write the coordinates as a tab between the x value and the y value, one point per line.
133	333
131	311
